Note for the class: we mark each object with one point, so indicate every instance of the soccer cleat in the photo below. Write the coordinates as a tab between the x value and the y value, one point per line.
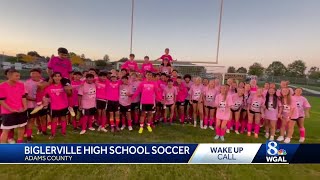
287	140
301	140
39	132
280	138
83	132
99	128
256	135
205	127
130	128
91	128
51	137
72	113
249	134
149	128
237	132
271	138
104	130
36	109
211	127
123	127
11	141
216	137
194	123
266	135
228	131
140	130
222	138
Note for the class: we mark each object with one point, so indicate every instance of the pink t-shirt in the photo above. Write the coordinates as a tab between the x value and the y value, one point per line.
12	96
31	89
125	91
253	89
130	65
182	92
147	67
148	91
169	95
165	69
75	87
58	97
255	103
231	91
223	107
188	85
62	66
135	85
209	97
166	56
112	90
195	92
88	93
286	109
302	104
237	102
271	113
101	90
265	91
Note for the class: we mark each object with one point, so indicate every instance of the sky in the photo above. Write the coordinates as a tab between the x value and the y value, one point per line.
252	30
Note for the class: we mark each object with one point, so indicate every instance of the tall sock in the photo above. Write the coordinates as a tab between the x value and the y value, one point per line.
123	120
136	118
129	122
103	121
218	131
112	122
29	132
90	121
302	132
243	125
117	122
84	122
205	122
210	122
229	124
63	127
237	125
256	129
222	132
182	118
53	128
19	141
249	127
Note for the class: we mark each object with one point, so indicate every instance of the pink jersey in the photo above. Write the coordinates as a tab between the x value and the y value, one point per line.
12	95
264	93
101	90
237	102
148	91
112	90
255	103
166	57
188	85
223	107
182	92
169	95
75	87
88	93
287	108
62	66
58	97
253	89
271	113
209	97
125	91
147	67
31	89
302	104
135	85
165	69
195	92
130	65
231	91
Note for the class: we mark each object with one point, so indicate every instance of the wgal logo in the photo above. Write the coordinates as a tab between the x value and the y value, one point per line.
274	154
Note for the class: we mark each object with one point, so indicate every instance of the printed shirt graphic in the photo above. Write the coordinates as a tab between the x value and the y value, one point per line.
125	91
223	107
237	102
286	109
195	92
62	66
209	97
271	113
88	93
130	65
165	69
302	104
169	94
58	97
255	103
13	100
31	89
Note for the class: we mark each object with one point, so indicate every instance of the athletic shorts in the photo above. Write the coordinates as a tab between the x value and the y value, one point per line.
186	102
89	112
113	106
43	112
135	106
237	110
14	120
101	104
59	113
147	107
169	105
125	109
295	119
252	112
159	104
195	101
65	82
179	103
243	110
29	110
209	107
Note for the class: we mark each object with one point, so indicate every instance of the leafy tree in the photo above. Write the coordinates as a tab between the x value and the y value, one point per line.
256	69
242	70
231	69
314	73
276	68
297	69
124	59
101	63
33	54
106	58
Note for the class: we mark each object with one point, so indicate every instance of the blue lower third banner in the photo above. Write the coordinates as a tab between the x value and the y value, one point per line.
270	152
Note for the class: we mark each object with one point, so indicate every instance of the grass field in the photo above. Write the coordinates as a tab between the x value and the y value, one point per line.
169	134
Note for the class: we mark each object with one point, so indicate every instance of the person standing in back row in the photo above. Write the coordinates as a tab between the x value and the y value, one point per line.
166	56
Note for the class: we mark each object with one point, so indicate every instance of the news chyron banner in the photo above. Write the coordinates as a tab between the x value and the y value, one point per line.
270	152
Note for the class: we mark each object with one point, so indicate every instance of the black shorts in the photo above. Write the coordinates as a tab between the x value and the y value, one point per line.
195	101
159	104
43	112
29	110
101	104
14	120
209	107
169	105
179	103
252	112
65	82
243	110
125	109
295	119
237	110
59	113
113	106
89	112
147	107
186	102
135	106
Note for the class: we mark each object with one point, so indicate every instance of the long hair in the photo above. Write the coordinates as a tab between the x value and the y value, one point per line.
288	98
275	100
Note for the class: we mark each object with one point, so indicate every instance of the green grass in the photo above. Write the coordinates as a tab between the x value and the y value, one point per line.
169	134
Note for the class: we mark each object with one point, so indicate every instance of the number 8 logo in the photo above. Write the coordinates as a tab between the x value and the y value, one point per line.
272	150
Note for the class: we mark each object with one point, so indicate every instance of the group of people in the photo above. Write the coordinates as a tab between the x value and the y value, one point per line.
145	96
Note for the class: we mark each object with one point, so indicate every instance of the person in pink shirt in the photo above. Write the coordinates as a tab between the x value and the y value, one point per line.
241	84
113	108
166	56
244	114
182	93
166	67
238	103
284	84
303	107
101	85
223	102
13	106
75	83
209	95
196	99
162	84
31	86
62	65
147	66
232	85
255	108
135	104
254	86
59	104
205	82
130	64
125	103
169	100
272	112
187	106
87	103
149	95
